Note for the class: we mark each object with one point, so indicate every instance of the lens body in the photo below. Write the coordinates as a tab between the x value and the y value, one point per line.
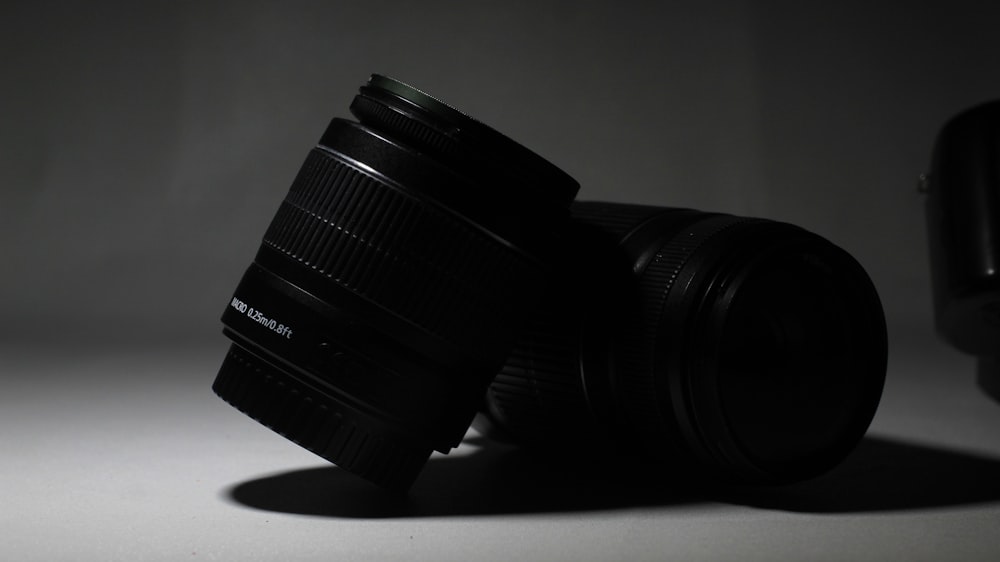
963	218
963	223
748	348
390	283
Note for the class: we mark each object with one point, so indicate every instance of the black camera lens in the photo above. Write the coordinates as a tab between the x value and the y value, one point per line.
963	224
747	348
390	283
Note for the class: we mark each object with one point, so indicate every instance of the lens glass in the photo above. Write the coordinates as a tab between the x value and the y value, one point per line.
795	359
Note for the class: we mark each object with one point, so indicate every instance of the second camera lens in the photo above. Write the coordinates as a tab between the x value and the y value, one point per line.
747	347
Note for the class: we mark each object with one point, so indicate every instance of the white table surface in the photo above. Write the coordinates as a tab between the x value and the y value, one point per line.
126	454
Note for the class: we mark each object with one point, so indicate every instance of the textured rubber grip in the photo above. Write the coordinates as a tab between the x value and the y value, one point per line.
401	254
316	421
642	384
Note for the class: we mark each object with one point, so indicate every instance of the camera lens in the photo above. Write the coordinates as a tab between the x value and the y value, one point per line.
389	285
748	348
963	228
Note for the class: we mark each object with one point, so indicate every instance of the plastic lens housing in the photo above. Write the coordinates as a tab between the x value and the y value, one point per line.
390	283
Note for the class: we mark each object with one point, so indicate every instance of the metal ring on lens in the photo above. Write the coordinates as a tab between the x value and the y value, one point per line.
444	131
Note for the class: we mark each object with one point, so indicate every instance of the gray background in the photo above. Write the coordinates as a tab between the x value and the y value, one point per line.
144	146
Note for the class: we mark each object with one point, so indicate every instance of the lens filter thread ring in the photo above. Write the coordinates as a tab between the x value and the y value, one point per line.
463	142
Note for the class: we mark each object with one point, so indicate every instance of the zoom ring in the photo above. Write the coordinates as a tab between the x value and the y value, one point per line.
643	382
403	255
315	421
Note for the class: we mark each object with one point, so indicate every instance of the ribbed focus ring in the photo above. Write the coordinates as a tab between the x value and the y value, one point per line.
315	421
641	383
404	127
401	254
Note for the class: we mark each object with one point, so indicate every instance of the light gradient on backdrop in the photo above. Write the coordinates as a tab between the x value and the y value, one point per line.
144	148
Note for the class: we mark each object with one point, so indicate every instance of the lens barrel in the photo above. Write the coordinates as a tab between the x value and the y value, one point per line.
390	284
963	222
963	229
748	348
